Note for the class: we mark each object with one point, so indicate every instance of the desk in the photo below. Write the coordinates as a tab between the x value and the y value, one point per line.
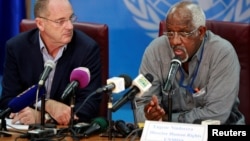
92	138
96	137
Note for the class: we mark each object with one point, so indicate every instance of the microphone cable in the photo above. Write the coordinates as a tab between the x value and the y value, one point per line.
133	134
83	103
36	105
127	84
74	135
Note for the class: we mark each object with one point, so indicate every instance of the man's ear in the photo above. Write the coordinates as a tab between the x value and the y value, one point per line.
202	31
39	24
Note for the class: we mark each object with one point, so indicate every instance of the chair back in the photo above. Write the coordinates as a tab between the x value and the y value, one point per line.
238	34
100	33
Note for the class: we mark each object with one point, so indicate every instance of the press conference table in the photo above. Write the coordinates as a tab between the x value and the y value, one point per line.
96	137
92	138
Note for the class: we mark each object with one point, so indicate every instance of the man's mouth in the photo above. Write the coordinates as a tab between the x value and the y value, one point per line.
178	51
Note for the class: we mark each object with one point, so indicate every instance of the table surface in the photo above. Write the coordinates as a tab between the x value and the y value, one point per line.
15	136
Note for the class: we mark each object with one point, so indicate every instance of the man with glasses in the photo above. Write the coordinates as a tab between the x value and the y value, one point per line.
205	86
55	39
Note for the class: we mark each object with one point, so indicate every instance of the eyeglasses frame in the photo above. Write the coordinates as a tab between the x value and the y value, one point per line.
72	19
181	34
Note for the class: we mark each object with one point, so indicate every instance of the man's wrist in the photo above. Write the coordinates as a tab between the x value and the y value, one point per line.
47	105
48	118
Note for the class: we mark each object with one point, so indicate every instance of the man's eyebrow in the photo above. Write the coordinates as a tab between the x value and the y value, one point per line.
63	18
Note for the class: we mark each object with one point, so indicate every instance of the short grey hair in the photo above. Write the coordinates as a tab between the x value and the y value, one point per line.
197	13
40	7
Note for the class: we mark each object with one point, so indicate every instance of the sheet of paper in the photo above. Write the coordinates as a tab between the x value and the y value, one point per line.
171	131
17	126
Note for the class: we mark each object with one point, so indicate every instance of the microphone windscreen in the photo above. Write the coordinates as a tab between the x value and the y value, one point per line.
176	59
81	75
98	124
102	122
122	128
127	79
27	98
149	77
197	121
49	63
142	83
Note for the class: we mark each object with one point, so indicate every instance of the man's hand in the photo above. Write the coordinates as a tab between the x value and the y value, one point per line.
26	116
59	111
153	111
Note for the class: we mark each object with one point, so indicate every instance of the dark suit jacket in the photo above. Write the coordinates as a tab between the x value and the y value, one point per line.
24	65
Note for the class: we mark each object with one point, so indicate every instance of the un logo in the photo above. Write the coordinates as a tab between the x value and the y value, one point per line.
148	13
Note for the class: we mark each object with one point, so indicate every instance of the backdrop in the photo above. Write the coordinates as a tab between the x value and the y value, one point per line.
134	23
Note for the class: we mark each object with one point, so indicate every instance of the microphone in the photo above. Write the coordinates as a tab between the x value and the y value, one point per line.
116	84
26	98
140	84
206	122
197	121
122	128
48	67
79	77
99	124
175	64
113	83
81	127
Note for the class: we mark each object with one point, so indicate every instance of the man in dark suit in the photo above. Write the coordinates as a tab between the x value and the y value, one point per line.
55	39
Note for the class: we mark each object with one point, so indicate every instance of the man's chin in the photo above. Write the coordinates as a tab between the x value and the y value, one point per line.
183	57
67	40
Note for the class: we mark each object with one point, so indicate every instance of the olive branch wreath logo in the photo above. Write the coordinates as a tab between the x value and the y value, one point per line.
148	17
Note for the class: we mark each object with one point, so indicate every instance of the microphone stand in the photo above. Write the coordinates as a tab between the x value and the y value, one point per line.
170	107
175	63
3	128
42	108
110	105
133	106
72	106
168	91
41	125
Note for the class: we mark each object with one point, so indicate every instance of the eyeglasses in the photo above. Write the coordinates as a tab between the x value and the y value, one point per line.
62	22
181	34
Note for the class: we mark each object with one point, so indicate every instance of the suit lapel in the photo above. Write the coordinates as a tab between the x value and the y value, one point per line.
62	69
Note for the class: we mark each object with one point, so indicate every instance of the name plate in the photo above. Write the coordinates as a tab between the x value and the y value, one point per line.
171	131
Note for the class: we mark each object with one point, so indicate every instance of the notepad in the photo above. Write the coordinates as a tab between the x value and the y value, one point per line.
17	125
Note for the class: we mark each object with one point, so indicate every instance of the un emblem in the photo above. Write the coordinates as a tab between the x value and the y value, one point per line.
148	13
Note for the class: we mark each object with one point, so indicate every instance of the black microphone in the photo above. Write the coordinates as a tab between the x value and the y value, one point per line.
197	121
116	84
48	67
175	64
79	77
81	127
98	125
122	128
26	98
140	85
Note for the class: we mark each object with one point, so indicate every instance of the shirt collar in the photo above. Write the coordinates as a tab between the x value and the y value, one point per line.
42	46
199	53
